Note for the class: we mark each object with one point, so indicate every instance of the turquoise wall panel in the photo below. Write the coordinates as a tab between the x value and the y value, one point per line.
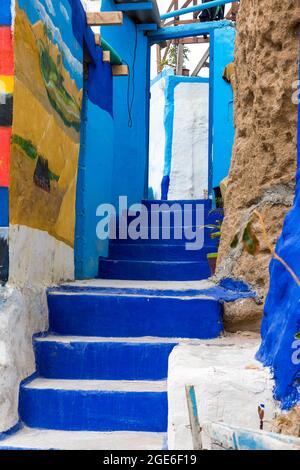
130	109
94	186
221	104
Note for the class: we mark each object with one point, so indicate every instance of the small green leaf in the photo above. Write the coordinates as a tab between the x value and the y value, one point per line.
250	240
297	335
215	235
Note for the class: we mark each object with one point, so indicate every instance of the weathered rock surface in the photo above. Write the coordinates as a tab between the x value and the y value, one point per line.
262	173
288	423
242	315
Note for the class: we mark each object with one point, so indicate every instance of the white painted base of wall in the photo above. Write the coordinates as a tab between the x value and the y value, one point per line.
229	385
37	258
157	137
23	312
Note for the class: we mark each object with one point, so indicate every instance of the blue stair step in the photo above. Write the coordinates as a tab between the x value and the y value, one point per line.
50	439
94	405
155	252
172	237
82	358
170	217
207	203
153	270
94	314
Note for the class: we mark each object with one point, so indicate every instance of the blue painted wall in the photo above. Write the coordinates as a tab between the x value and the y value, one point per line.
221	104
130	171
94	185
94	182
279	348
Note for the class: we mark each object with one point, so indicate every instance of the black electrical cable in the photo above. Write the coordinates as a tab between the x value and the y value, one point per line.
131	73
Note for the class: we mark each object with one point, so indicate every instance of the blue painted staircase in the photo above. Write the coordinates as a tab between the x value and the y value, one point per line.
162	259
101	369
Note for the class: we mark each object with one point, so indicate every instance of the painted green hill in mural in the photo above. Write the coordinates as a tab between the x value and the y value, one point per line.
63	103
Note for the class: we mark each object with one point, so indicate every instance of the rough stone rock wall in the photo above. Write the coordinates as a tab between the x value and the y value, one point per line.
262	173
288	423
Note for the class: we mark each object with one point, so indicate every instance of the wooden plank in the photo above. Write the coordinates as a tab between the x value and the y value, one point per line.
201	63
166	51
106	56
158	59
168	10
186	21
196	13
105	18
179	63
98	39
119	70
192	40
193	416
227	437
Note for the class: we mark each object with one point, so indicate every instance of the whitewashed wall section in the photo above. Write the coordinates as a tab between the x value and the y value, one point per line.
157	136
189	163
179	117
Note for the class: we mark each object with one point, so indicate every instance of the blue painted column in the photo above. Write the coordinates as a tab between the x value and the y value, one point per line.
221	105
94	185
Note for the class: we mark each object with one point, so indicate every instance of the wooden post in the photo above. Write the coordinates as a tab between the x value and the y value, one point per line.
106	56
158	58
196	13
179	64
193	417
105	18
98	39
119	70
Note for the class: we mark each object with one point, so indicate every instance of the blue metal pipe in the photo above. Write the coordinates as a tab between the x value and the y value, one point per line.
203	6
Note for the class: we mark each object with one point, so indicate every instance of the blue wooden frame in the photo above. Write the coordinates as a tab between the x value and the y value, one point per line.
190	30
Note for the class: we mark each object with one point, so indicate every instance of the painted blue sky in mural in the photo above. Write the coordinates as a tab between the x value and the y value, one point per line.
57	15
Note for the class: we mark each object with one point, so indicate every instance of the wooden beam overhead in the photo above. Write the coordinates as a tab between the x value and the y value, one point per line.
105	18
106	56
98	39
192	40
119	70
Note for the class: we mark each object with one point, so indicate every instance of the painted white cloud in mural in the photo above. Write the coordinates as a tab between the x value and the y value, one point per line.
50	7
64	12
74	64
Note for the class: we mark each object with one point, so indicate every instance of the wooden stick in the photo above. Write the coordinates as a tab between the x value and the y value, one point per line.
193	417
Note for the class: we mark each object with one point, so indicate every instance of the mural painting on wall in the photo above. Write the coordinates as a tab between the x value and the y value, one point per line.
46	124
6	103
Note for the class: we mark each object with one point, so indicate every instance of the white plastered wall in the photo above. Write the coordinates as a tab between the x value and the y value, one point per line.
189	165
229	385
37	261
157	136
